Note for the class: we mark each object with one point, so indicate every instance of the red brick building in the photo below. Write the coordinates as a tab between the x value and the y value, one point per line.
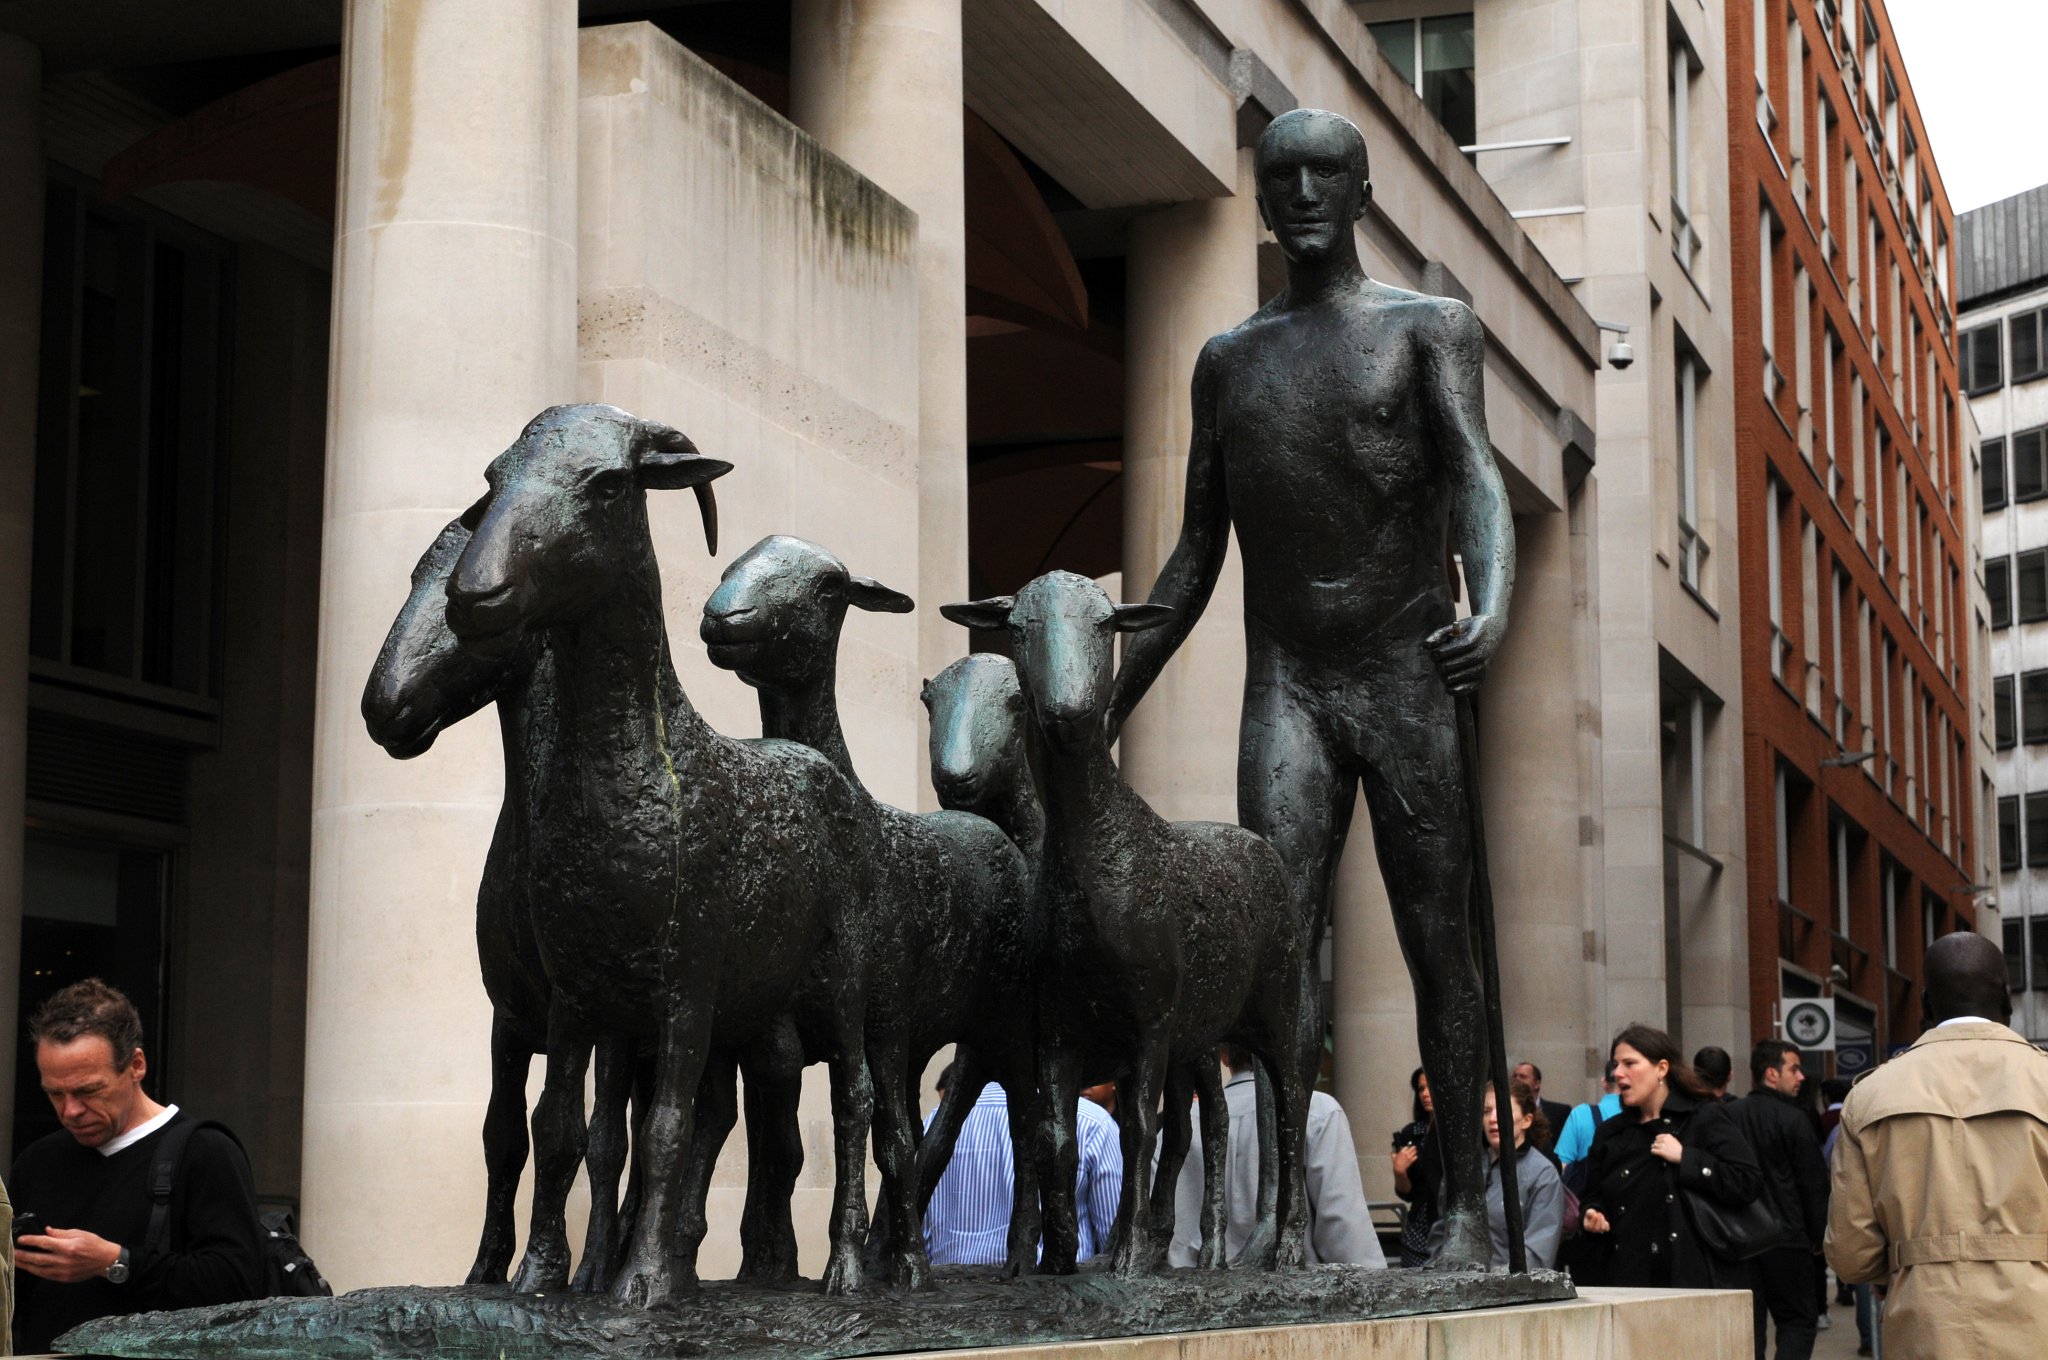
1852	467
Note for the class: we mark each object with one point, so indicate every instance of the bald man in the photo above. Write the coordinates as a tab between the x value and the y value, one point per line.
1941	1173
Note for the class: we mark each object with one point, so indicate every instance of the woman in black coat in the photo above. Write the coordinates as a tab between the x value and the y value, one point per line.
1671	1139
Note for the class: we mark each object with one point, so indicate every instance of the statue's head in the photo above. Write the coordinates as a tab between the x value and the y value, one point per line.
1313	182
776	615
977	736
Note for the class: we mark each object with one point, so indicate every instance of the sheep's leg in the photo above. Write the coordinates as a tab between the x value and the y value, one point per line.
1138	1104
896	1154
716	1113
1028	1162
559	1138
853	1112
935	1149
1215	1167
1173	1152
505	1149
775	1157
606	1163
649	1278
636	1181
1059	1087
1262	1247
1296	1085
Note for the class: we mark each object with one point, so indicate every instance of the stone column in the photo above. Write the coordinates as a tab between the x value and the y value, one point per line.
878	82
21	266
1530	775
454	323
1193	271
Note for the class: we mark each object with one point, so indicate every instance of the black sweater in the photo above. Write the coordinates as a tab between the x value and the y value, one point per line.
212	1248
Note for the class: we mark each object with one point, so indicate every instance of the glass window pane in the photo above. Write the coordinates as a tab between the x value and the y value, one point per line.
2034	706
2002	710
2029	465
1994	473
1985	369
2009	833
2033	585
1998	585
2026	348
2015	955
1396	38
2037	936
1447	66
2037	829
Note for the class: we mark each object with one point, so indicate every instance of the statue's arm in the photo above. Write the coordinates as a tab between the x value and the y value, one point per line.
1190	573
1482	524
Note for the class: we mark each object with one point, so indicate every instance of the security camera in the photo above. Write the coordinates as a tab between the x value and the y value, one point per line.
1620	356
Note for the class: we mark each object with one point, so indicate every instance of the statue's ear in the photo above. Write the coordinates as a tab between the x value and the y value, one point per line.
993	612
474	516
865	592
666	460
1136	618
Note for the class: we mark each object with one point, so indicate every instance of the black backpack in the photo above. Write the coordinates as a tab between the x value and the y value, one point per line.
287	1271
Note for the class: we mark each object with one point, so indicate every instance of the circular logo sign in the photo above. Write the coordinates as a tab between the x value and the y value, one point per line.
1851	1060
1808	1025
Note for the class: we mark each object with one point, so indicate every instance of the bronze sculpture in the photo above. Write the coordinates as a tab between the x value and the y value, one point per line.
1341	430
1162	940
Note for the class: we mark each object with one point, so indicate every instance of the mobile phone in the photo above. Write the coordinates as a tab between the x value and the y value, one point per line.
28	1224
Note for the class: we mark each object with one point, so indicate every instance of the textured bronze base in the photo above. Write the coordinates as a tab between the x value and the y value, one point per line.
966	1308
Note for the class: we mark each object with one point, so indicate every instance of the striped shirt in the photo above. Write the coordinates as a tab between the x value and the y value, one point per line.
968	1223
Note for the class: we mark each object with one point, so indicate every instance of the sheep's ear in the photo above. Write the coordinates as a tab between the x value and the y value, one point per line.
1136	618
865	592
668	461
470	518
993	612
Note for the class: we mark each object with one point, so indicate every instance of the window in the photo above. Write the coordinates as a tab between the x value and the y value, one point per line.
1783	814
1981	366
2037	957
1889	875
1831	363
1991	477
2015	956
1767	313
1435	56
1685	67
2034	706
2035	806
2029	355
1692	550
1998	585
2030	464
1843	853
2033	585
1774	560
2003	718
1840	662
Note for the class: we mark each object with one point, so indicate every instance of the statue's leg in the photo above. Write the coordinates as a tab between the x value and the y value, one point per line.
606	1163
505	1149
853	1113
896	1155
935	1149
649	1277
1137	1102
1215	1166
774	1073
1415	791
1059	1069
1030	1162
716	1113
559	1139
636	1177
1177	1130
1298	792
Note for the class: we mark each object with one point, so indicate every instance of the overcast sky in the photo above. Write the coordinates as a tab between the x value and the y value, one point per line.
1979	68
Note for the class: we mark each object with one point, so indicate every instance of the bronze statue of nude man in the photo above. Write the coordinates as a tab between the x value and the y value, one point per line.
1341	429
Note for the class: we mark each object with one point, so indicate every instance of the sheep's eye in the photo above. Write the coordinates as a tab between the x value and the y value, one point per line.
609	485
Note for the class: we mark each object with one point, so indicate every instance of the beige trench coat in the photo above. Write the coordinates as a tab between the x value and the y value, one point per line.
1941	1187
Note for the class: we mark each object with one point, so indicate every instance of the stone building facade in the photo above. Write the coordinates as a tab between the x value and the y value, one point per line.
1854	457
2003	274
931	274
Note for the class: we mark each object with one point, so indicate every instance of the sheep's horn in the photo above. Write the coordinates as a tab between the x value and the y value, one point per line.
707	505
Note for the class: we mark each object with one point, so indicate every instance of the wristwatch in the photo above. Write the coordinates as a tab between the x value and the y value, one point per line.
117	1273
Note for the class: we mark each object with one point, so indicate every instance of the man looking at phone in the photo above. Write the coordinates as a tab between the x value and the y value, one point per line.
83	1244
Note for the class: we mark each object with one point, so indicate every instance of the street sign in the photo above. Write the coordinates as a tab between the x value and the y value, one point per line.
1810	1022
1853	1057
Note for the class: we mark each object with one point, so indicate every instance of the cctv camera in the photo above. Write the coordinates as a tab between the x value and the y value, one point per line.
1621	356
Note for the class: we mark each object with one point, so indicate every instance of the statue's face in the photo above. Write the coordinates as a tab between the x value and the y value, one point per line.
1311	186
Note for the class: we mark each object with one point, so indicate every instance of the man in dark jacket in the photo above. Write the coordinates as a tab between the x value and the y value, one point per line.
1780	1133
92	1254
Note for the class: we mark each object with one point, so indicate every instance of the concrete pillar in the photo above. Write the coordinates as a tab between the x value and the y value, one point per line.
454	323
1193	270
1530	782
21	266
878	82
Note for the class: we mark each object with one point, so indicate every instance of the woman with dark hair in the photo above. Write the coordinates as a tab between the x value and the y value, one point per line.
1671	1141
1540	1187
1418	1172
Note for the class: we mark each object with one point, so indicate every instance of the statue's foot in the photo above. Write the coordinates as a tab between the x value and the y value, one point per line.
1262	1248
492	1263
769	1266
1292	1253
1468	1244
1212	1256
843	1271
545	1267
645	1284
910	1269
